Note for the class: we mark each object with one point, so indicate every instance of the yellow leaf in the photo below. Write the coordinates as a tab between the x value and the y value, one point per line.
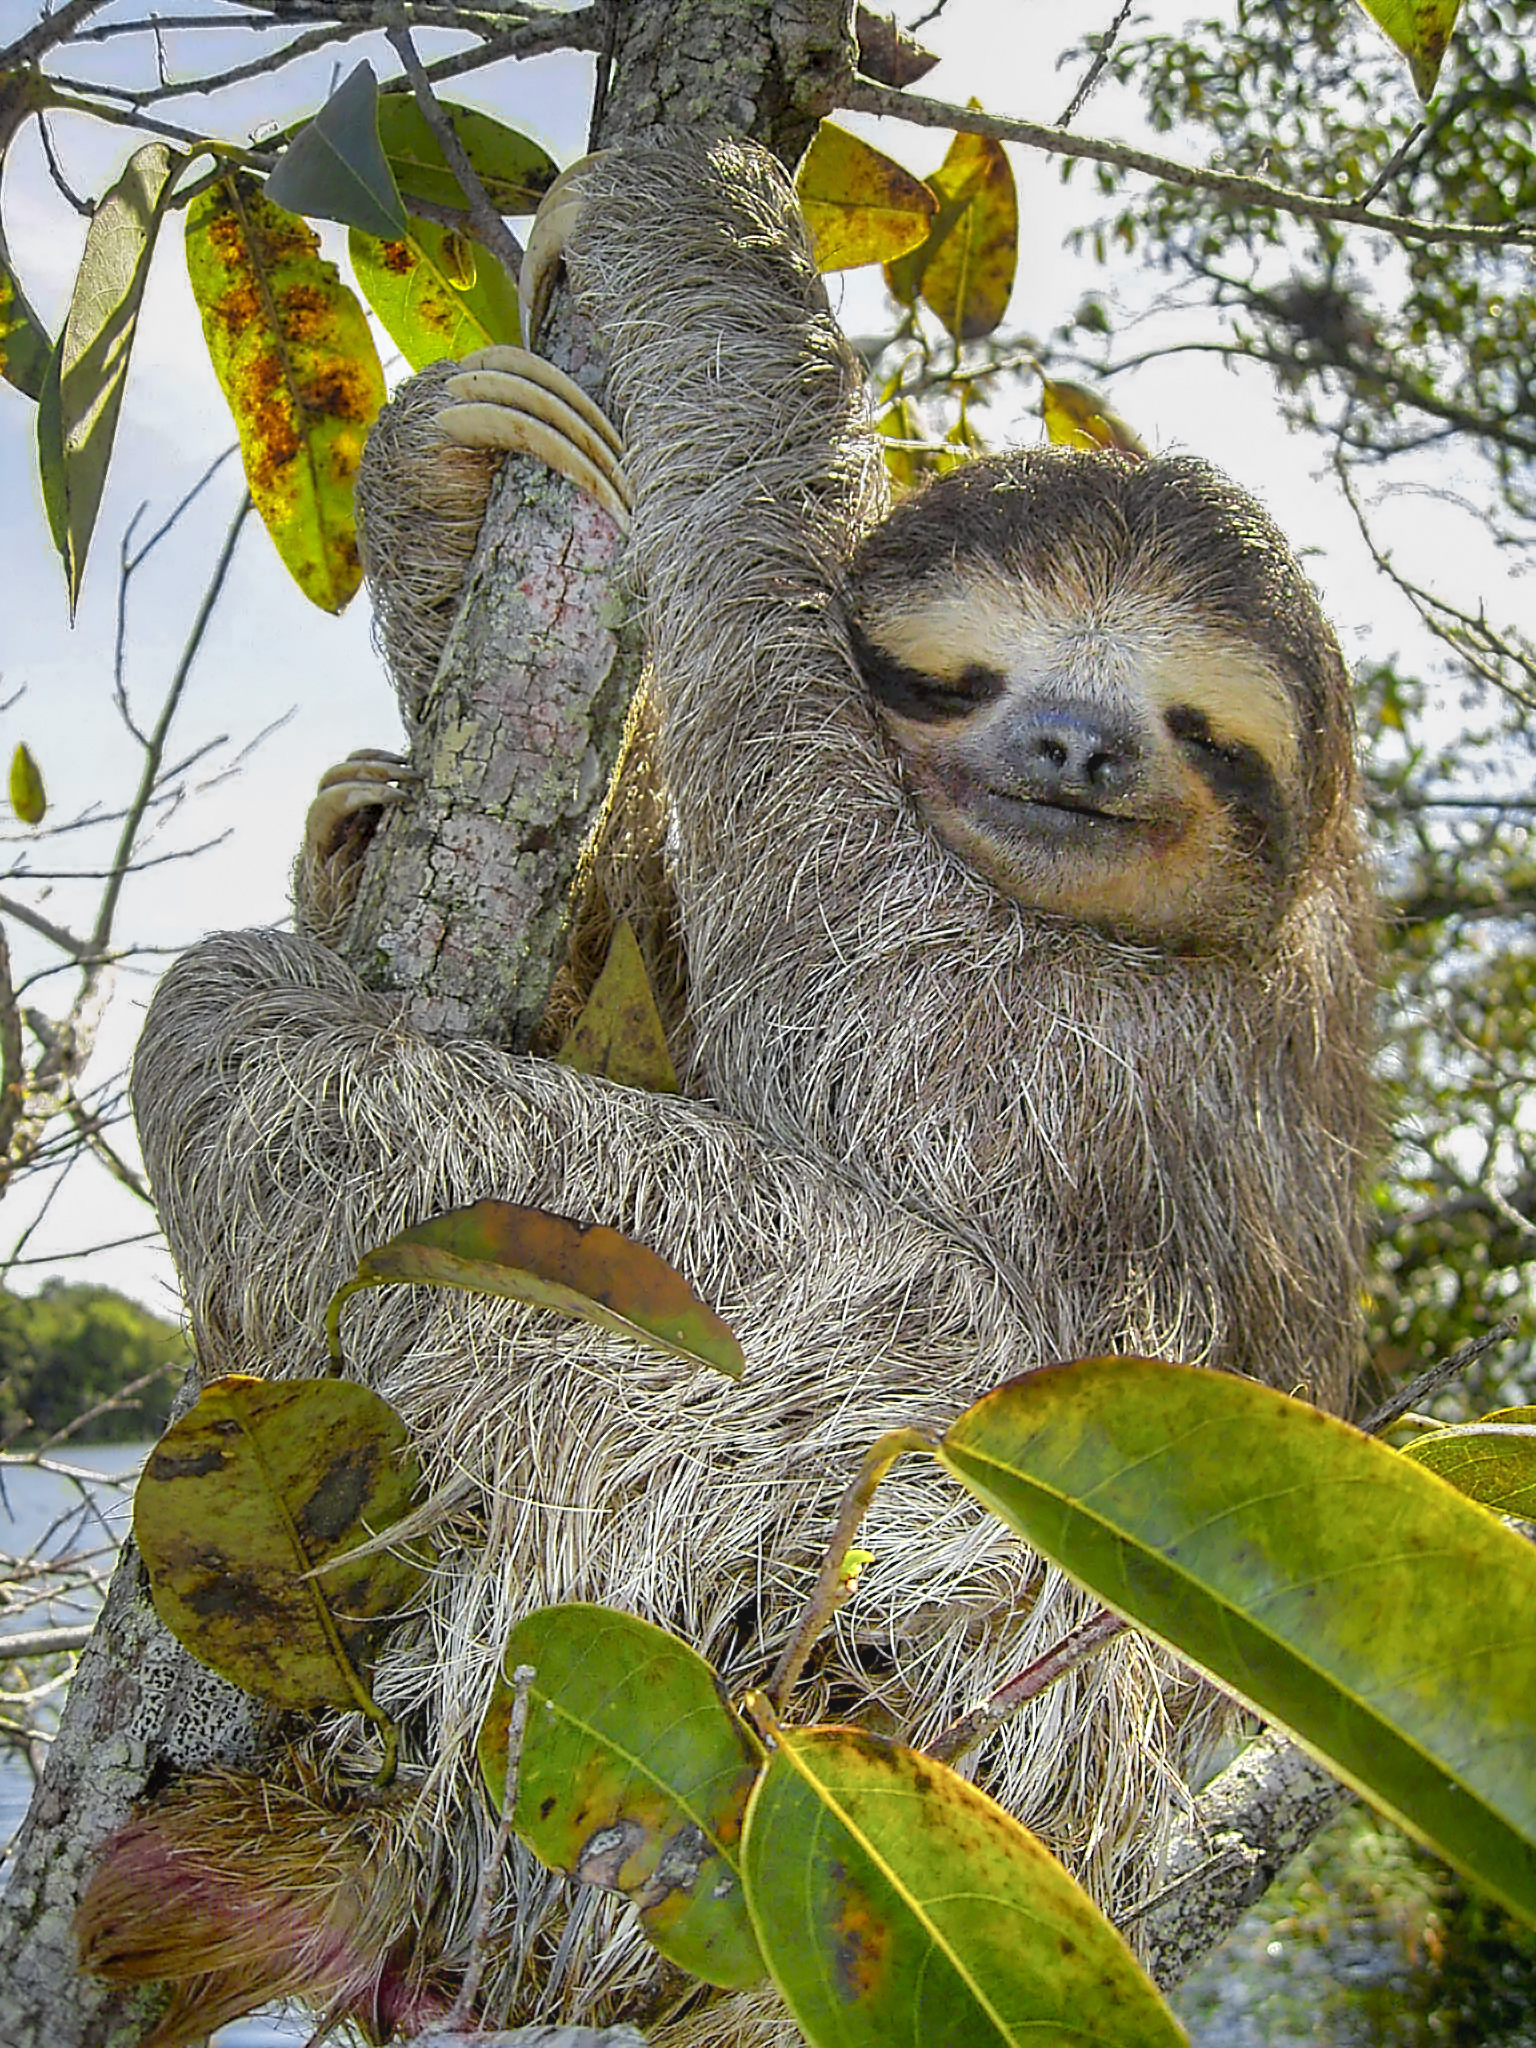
619	1033
964	271
860	206
1076	417
29	800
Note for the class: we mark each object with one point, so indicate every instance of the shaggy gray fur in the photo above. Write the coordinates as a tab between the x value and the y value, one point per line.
937	1139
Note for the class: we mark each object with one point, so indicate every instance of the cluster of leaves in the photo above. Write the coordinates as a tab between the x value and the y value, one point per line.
1396	345
67	1350
289	341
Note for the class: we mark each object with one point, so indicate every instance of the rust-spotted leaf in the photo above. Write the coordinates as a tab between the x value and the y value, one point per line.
514	170
436	292
82	389
1421	29
29	799
619	1033
860	205
593	1273
894	1902
244	1500
965	268
634	1776
291	349
1492	1461
1076	417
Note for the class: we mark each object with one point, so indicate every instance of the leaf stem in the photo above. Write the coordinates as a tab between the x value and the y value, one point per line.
829	1592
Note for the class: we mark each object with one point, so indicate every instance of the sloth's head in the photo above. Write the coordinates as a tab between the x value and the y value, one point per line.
1112	691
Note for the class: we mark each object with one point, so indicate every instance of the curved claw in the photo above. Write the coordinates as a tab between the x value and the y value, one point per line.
365	781
512	400
558	213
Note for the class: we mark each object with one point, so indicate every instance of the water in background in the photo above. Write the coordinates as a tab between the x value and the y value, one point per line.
49	1512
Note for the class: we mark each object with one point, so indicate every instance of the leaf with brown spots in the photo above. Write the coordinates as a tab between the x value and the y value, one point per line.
860	205
437	293
1335	1586
82	388
619	1033
895	1902
965	268
247	1518
499	1248
292	351
634	1774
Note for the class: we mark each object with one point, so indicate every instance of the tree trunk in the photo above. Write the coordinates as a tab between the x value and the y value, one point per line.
466	922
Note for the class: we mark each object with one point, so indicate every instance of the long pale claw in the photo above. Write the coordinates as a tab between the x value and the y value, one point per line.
512	400
365	781
559	210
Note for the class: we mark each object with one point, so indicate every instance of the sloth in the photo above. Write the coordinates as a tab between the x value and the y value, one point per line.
1026	925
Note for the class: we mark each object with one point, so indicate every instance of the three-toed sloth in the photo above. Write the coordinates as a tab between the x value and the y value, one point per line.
1014	839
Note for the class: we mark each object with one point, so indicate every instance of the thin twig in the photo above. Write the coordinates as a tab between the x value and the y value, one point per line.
47	34
1002	1705
56	171
1437	1376
485	1898
493	230
1096	69
154	750
865	97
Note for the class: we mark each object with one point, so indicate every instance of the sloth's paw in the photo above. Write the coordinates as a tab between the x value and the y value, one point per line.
343	818
509	399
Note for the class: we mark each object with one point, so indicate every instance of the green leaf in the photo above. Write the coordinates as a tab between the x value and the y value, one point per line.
619	1033
335	167
24	343
1492	1461
82	389
1331	1583
860	205
293	353
514	170
894	1902
436	292
261	1484
29	799
499	1248
634	1775
1421	29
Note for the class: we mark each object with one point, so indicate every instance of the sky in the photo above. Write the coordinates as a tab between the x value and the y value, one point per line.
269	656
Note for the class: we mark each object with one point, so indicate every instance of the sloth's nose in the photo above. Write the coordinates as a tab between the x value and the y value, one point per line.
1066	751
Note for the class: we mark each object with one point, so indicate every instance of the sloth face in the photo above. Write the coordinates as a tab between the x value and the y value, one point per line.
1084	721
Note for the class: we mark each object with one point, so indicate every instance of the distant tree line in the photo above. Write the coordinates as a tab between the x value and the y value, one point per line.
68	1349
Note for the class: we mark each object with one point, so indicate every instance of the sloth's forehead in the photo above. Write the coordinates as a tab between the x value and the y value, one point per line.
1116	643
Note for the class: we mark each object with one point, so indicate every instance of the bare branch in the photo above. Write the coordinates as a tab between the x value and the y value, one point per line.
865	97
492	229
1095	71
1434	1377
55	28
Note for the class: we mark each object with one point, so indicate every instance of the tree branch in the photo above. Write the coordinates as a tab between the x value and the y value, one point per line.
865	97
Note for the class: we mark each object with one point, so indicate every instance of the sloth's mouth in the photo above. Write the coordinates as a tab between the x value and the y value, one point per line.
1057	816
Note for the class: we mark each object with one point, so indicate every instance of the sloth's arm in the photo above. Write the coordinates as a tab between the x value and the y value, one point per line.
289	1124
753	470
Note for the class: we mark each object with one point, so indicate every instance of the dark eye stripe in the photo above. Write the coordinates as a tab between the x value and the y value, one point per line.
915	695
1239	777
